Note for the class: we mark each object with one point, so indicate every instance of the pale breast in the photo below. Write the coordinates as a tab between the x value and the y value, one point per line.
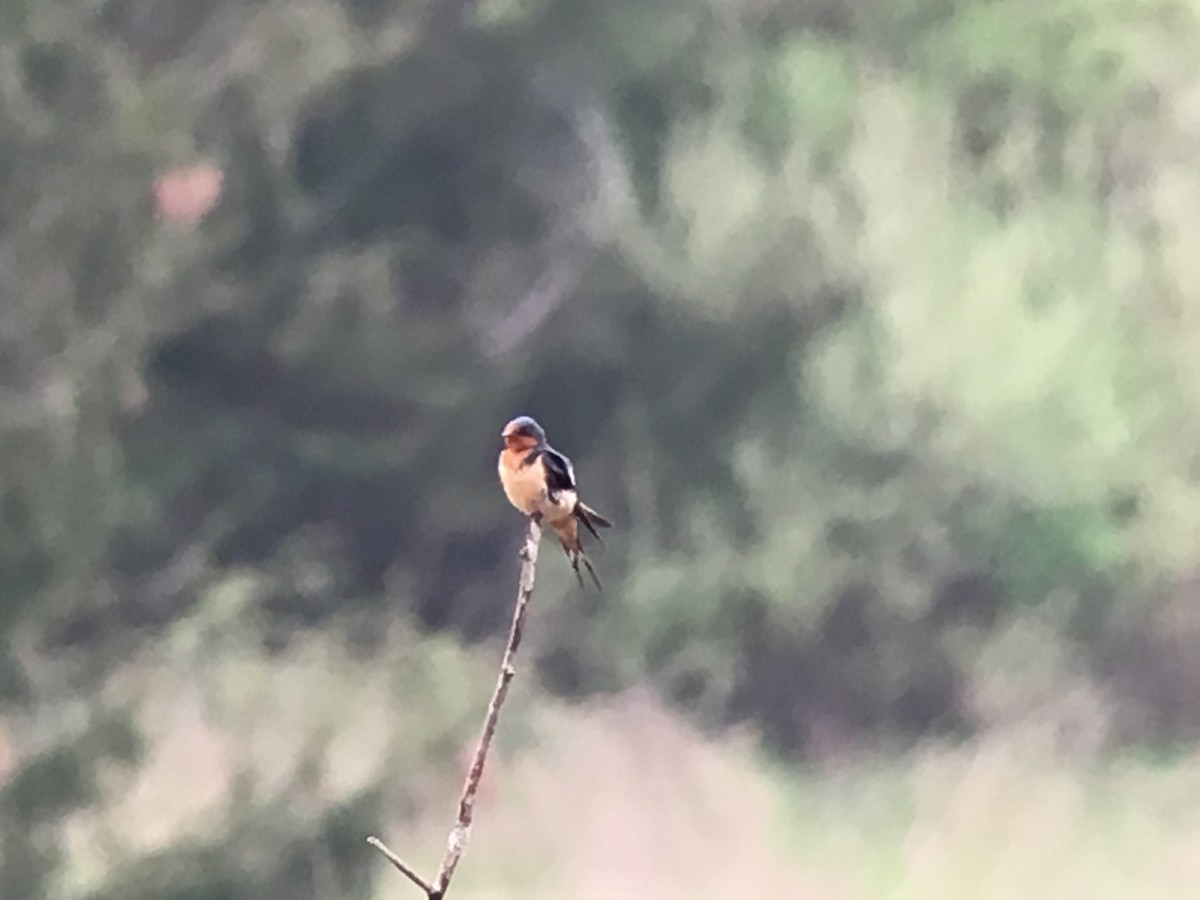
523	486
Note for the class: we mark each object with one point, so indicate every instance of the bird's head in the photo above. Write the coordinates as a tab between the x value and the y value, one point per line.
523	433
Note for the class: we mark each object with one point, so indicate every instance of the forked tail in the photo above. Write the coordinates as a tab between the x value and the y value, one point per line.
573	546
578	558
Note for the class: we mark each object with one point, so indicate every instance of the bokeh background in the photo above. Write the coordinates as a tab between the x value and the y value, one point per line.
874	325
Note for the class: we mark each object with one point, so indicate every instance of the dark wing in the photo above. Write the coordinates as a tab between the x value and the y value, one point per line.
559	474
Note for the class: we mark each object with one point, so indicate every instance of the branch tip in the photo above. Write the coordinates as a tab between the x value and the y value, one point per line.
401	865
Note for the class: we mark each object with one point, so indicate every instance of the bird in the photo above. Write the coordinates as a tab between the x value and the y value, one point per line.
540	482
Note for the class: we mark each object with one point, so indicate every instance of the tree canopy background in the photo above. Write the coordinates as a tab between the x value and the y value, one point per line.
873	325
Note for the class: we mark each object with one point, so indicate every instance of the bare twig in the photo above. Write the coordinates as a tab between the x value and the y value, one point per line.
401	865
456	843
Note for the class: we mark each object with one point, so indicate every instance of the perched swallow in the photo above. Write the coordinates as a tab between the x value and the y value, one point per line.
539	481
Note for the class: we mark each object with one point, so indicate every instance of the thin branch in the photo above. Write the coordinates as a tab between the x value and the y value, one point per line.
456	843
401	865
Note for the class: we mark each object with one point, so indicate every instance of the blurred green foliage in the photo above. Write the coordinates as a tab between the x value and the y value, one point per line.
872	325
